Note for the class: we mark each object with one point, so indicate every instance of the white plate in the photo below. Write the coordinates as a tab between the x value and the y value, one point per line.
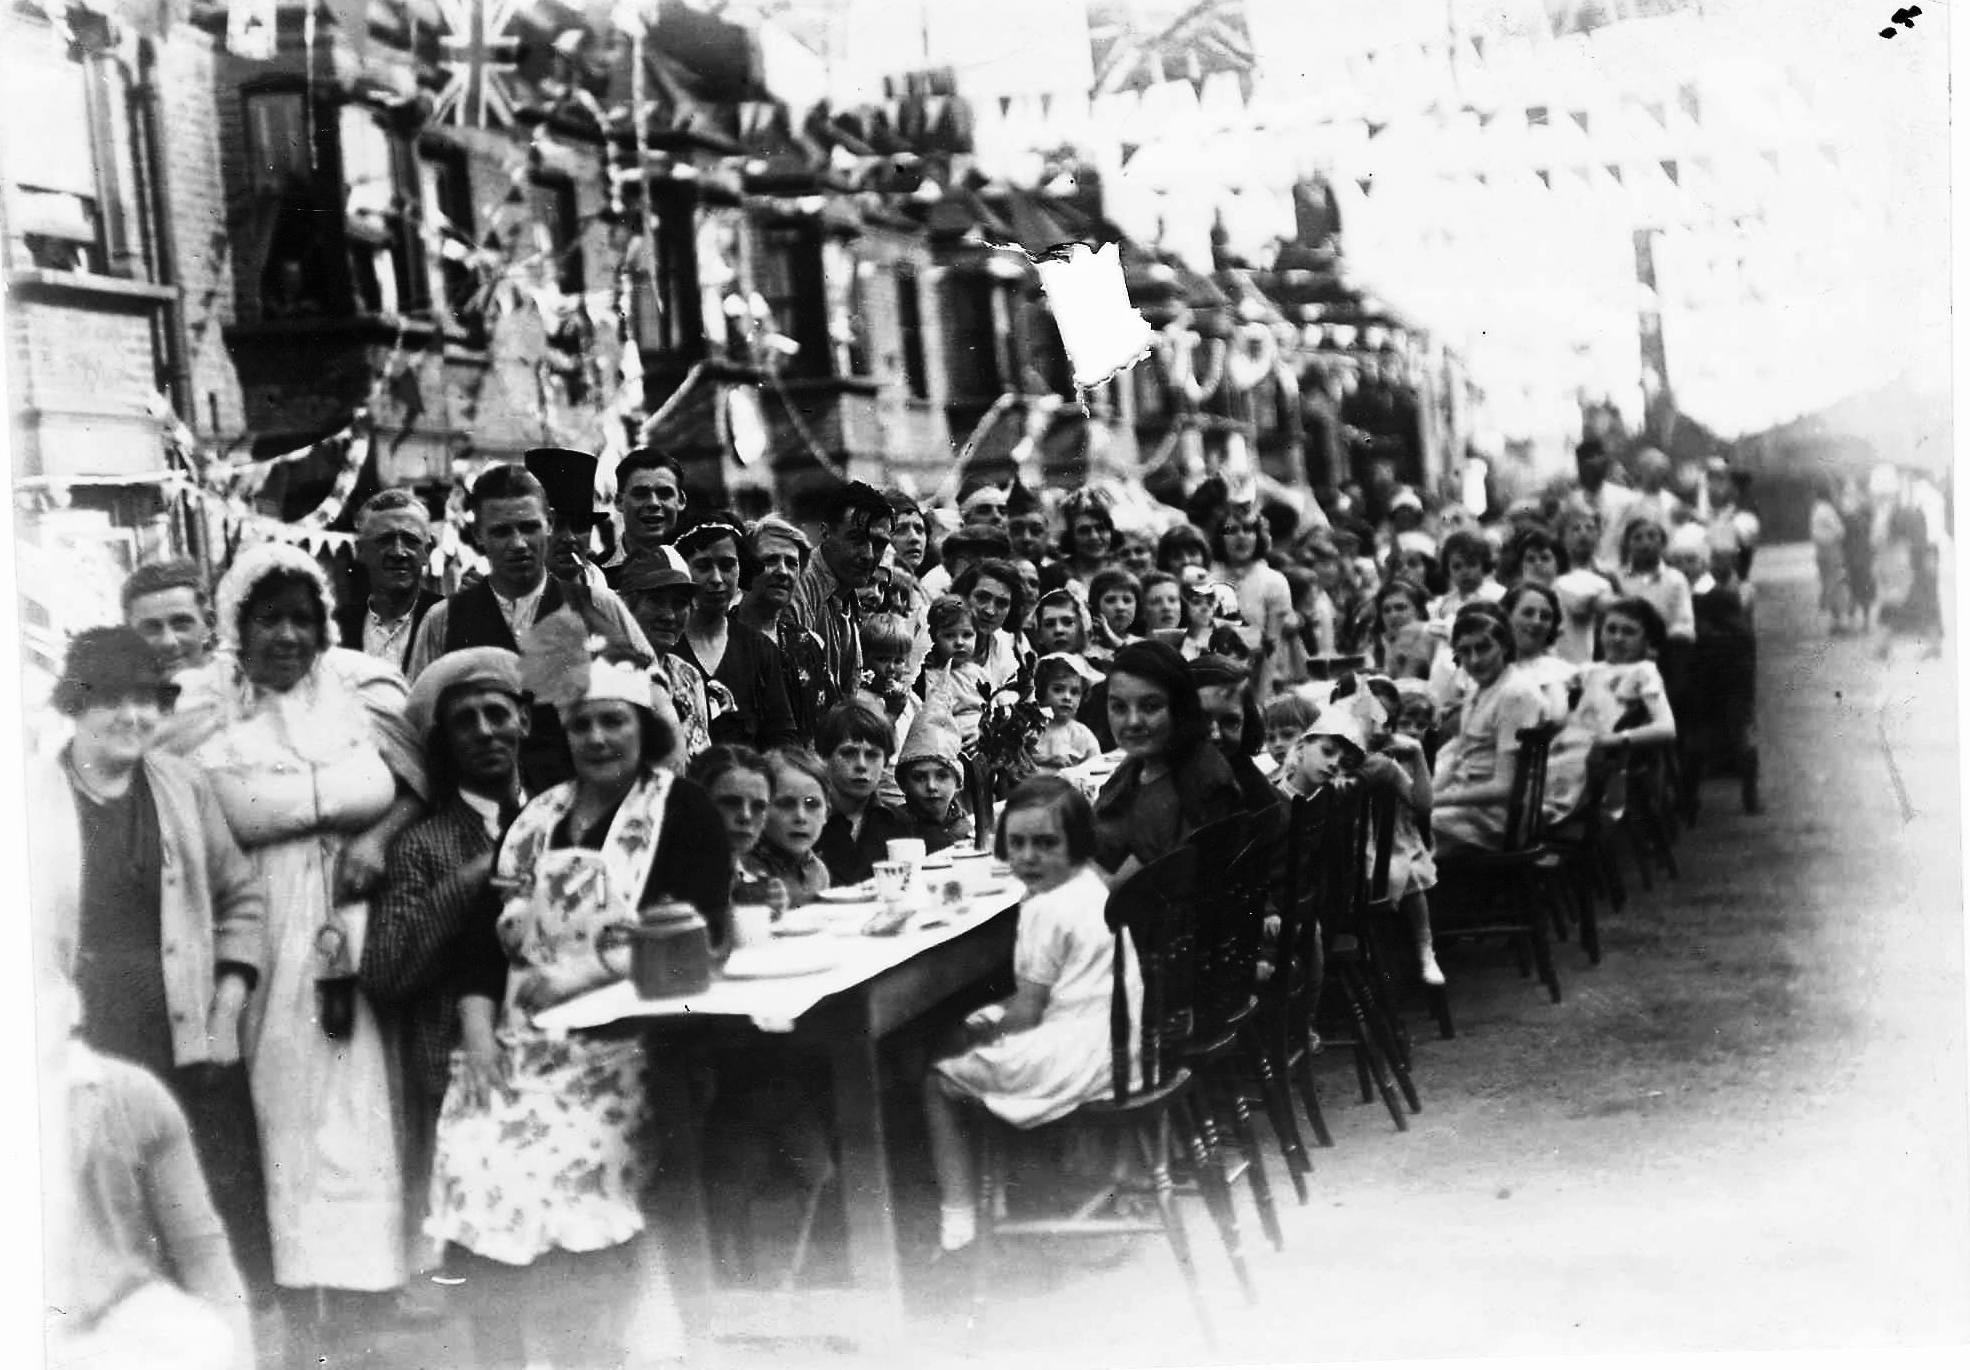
849	894
781	960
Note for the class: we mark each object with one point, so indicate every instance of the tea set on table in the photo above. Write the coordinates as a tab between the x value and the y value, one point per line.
670	948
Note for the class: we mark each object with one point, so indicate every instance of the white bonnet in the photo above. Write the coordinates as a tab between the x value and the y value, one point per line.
255	564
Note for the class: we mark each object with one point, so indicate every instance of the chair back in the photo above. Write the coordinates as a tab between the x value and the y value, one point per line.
1382	805
1154	917
1525	812
1234	868
1299	883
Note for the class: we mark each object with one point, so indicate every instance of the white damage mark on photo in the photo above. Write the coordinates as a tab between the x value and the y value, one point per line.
1102	331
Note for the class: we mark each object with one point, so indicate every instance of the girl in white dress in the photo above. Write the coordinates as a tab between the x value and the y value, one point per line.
1045	1051
1623	705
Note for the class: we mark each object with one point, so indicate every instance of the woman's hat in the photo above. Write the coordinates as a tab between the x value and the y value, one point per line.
1414	541
563	665
568	477
105	666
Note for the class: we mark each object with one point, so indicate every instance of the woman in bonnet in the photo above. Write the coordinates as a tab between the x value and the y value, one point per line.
316	771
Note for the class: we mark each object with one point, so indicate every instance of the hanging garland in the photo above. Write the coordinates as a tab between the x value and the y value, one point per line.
1176	350
1251	357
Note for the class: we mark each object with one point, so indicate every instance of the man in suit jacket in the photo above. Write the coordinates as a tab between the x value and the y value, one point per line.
472	716
393	546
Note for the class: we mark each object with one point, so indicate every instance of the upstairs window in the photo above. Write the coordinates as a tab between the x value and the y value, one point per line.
909	315
70	179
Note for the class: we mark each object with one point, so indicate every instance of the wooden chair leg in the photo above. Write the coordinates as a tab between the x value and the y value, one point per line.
1279	1109
1439	1001
1309	1092
1380	1025
1534	892
1153	1140
1211	1184
1255	1174
1368	1057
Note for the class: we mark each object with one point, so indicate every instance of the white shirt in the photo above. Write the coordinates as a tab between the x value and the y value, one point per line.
387	639
519	613
488	809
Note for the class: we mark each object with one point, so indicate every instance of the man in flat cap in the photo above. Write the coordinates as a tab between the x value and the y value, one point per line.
471	715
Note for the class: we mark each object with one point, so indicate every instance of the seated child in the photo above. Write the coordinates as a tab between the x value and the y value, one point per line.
141	1268
930	767
785	850
953	683
1044	1052
855	743
886	646
1113	597
1395	763
1468	558
1287	716
1058	623
740	783
1061	681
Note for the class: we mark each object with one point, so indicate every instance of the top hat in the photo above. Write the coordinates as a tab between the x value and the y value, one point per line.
568	477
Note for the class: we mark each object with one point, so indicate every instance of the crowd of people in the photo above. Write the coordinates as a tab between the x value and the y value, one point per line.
308	863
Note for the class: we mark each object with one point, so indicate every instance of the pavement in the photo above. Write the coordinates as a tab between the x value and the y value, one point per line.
1745	1131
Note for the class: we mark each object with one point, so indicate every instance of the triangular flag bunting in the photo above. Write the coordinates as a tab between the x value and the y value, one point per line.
1366	183
1674	174
1005	104
1545	177
1614	169
1770	155
1657	111
1477	46
1692	106
1580	118
1375	130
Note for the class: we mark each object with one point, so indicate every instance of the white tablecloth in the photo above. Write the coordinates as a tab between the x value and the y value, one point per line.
774	1005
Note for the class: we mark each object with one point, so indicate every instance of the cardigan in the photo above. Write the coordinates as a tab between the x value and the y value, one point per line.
212	905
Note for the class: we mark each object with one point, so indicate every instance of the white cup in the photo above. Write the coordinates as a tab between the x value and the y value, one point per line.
973	869
752	924
892	881
910	849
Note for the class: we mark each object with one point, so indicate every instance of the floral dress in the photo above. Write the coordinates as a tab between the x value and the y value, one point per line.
555	1161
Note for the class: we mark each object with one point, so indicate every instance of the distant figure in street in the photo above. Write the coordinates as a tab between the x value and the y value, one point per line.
1829	533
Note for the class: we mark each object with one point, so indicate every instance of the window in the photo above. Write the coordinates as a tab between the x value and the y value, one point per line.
336	201
381	196
844	276
909	314
557	231
67	204
452	231
787	271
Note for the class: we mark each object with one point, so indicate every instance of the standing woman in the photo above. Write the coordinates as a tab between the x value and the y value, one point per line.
317	773
730	652
1264	597
541	1159
1172	780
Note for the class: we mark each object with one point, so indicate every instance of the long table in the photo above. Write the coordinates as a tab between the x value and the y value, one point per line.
876	986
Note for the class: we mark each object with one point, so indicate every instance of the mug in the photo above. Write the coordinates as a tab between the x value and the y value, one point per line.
752	924
910	849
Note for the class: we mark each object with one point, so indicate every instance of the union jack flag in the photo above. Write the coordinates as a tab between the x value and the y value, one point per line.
478	56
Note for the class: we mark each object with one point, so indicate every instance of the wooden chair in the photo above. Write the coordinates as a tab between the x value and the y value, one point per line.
1154	918
1515	886
1355	1008
1288	998
1651	822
